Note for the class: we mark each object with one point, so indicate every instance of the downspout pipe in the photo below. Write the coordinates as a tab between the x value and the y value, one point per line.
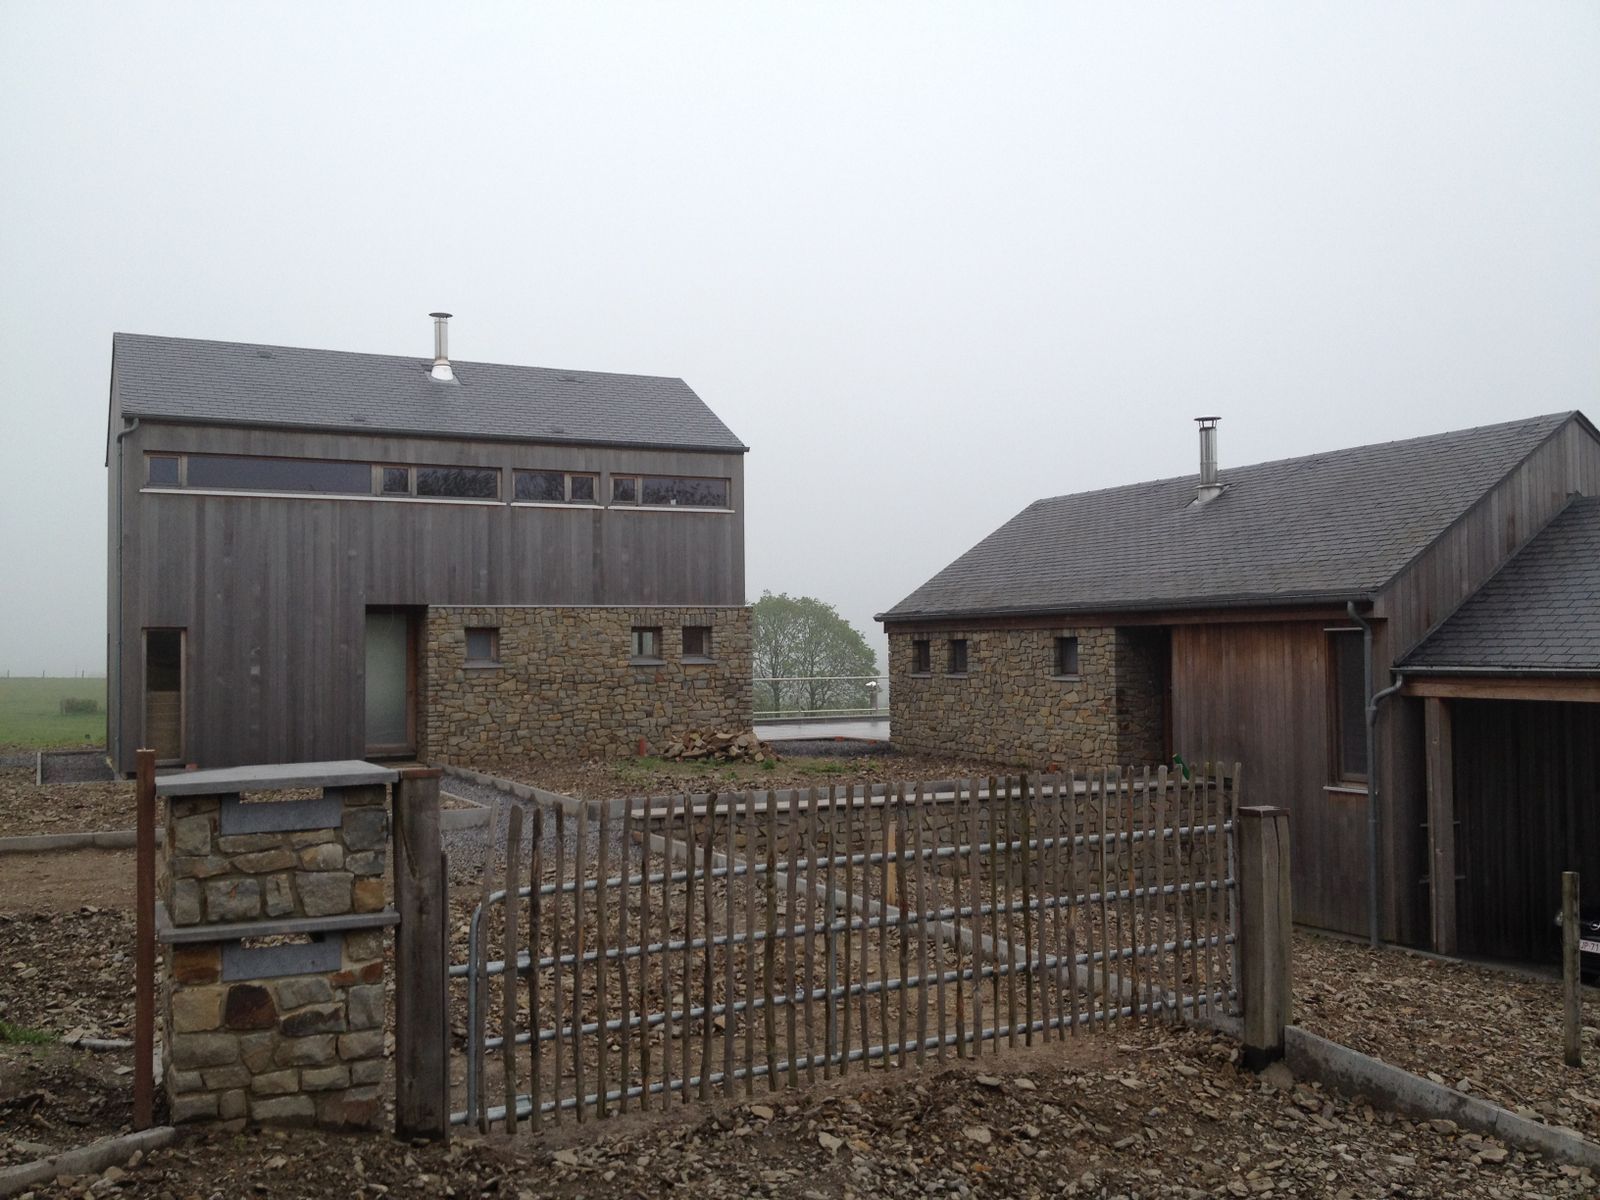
1374	925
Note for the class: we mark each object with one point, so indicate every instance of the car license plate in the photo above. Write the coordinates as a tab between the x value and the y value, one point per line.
1588	947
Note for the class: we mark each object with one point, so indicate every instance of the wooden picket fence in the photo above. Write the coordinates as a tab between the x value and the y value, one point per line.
688	947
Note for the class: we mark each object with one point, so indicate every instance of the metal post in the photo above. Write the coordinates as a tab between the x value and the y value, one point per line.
144	953
1571	972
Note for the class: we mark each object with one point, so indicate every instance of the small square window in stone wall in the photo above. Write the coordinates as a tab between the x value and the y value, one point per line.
697	641
1066	659
483	645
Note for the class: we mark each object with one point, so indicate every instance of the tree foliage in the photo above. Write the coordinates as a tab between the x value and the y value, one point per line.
802	646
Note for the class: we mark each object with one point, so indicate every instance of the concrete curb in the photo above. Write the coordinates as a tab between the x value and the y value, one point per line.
44	843
521	791
85	1160
1351	1072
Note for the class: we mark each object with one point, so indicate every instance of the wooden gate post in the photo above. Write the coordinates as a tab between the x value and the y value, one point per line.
144	956
422	1107
1571	972
1265	933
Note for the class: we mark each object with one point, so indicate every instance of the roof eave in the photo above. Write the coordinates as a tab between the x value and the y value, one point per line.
1532	672
1185	604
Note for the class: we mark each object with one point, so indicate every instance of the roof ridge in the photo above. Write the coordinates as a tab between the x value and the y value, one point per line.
424	358
1319	454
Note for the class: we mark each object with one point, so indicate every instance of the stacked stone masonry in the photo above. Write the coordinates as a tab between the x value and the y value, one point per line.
566	684
1011	706
303	1049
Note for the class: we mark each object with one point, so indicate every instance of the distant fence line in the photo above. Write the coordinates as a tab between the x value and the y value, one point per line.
781	696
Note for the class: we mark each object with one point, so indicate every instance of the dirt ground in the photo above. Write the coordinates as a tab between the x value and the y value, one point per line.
1147	1111
61	808
1497	1031
62	881
1139	1109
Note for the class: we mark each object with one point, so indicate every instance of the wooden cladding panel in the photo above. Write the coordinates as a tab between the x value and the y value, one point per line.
273	591
1455	566
1527	798
1259	694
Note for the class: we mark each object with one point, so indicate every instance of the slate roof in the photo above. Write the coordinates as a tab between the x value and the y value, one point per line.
1540	613
240	383
1325	527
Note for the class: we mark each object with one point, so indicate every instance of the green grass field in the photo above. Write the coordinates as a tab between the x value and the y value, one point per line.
30	713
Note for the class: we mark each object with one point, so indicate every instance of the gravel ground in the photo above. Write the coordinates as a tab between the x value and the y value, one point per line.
611	779
26	807
1144	1111
1496	1031
76	766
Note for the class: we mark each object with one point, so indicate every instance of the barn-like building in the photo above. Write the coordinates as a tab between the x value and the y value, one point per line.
1254	614
317	554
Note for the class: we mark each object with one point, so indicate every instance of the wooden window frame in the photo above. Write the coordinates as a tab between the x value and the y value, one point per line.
639	477
646	659
951	668
180	459
921	657
494	646
702	655
1338	777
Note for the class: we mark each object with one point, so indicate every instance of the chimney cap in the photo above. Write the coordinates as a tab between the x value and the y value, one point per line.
446	316
1203	420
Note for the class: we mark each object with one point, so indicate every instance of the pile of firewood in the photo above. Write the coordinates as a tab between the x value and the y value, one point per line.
719	746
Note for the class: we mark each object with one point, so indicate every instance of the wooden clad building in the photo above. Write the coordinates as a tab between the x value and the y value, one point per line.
1251	614
283	520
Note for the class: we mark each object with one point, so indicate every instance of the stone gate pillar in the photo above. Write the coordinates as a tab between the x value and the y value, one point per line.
272	917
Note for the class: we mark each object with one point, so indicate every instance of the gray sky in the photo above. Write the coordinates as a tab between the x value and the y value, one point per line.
930	261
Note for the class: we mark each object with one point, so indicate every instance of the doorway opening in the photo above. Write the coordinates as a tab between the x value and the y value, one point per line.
163	694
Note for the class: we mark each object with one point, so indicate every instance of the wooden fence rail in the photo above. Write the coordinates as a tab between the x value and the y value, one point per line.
705	946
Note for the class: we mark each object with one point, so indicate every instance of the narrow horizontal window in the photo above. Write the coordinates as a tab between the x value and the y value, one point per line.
921	657
1066	658
646	642
540	487
958	656
671	492
554	487
483	645
697	641
226	471
161	470
468	483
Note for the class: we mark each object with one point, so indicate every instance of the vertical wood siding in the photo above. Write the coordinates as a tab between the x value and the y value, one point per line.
274	591
1527	785
1258	694
1422	596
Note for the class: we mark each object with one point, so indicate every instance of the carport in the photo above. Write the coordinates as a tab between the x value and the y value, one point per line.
1510	688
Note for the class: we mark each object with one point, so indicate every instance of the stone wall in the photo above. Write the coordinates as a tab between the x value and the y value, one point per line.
301	1048
1011	707
566	685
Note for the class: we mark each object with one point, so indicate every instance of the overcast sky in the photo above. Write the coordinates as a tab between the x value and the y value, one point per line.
930	262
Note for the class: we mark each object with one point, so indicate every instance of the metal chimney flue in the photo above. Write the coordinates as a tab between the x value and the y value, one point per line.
1209	488
441	346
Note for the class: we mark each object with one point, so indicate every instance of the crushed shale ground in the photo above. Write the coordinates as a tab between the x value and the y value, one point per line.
1136	1110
